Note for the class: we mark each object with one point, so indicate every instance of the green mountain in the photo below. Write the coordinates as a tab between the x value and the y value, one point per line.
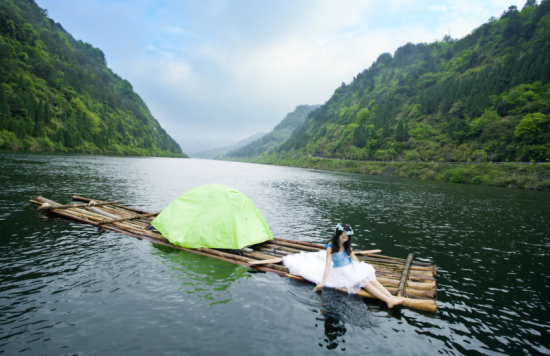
57	93
280	133
487	94
220	151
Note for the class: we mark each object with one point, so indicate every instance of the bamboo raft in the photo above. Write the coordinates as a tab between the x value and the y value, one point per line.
402	277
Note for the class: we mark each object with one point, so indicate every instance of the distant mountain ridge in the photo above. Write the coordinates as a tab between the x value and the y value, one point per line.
223	150
485	97
278	135
57	93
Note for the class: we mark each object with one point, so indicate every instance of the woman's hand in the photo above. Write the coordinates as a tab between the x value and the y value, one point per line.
318	287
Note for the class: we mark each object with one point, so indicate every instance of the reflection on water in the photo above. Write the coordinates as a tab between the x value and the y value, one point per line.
336	310
68	288
203	276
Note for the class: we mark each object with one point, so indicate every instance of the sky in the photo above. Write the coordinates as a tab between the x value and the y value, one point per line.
214	72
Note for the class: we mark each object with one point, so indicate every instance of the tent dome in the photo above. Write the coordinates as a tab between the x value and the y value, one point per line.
213	216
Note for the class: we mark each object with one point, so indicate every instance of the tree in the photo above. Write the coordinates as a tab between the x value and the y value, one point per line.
474	60
530	125
386	131
362	115
360	136
530	3
488	117
399	131
39	112
421	131
5	112
47	113
514	26
507	13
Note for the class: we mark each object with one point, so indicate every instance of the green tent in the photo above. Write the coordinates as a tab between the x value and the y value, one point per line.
214	216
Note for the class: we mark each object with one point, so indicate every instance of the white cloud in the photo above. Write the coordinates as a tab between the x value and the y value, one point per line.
175	29
441	8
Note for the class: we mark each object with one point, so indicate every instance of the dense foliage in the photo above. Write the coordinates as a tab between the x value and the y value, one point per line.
485	95
280	133
508	175
57	94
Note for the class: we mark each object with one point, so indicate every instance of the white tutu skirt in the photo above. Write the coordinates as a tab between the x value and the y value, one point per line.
311	266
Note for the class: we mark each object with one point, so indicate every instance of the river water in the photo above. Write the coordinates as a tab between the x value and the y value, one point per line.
70	288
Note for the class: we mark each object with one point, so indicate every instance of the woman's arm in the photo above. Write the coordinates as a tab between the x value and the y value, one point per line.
327	270
353	257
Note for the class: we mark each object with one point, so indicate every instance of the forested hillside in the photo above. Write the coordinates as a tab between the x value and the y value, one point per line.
220	151
280	133
57	93
487	94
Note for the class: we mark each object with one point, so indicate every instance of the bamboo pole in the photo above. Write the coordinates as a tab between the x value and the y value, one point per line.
413	285
368	252
263	262
240	258
271	250
308	248
104	222
375	258
76	197
415	292
99	218
321	247
282	248
48	201
418	279
141	222
258	256
415	270
414	263
101	212
265	254
296	246
418	268
120	211
392	274
70	206
404	276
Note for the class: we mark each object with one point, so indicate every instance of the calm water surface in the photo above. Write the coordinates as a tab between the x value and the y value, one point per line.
69	288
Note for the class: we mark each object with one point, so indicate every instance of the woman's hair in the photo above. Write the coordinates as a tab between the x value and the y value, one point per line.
334	240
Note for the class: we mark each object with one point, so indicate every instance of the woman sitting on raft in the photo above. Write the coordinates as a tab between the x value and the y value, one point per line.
347	273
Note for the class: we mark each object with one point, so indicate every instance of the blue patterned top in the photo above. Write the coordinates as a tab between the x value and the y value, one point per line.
340	259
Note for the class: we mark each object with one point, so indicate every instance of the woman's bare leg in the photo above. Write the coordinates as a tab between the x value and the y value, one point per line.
390	301
381	288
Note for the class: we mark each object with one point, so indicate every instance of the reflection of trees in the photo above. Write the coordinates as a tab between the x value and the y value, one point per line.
207	277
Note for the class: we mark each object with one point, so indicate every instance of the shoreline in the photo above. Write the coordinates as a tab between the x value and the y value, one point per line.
506	175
